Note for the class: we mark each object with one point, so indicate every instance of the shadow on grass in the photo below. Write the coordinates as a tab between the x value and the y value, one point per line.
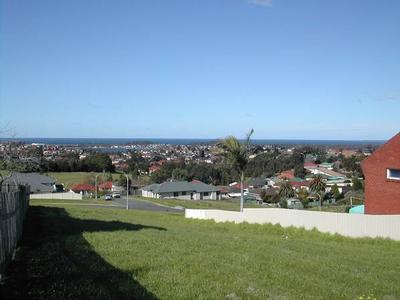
56	262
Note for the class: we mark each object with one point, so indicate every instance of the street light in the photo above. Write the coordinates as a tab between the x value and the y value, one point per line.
95	180
127	191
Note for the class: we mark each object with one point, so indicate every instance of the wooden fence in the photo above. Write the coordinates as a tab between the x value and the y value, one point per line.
14	203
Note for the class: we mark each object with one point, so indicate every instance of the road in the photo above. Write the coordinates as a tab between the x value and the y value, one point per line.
143	205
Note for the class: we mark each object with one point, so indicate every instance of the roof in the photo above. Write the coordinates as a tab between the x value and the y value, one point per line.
297	184
36	181
257	181
394	141
309	164
287	174
82	187
180	186
106	185
237	186
327	171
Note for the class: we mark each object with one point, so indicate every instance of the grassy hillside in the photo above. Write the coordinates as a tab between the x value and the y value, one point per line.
87	253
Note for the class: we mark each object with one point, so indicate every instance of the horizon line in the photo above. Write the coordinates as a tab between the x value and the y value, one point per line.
191	138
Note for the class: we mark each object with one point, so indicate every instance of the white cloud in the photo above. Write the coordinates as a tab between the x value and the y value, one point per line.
261	2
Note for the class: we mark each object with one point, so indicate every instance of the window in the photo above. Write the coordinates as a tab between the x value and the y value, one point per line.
176	194
183	193
205	193
393	174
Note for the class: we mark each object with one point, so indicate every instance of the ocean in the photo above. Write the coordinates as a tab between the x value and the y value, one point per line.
187	141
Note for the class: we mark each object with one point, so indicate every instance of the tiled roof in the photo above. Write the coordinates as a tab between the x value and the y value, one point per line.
82	187
180	186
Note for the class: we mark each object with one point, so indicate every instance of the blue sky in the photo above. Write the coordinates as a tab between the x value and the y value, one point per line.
206	68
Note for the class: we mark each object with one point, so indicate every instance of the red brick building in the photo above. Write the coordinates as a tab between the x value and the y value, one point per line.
382	179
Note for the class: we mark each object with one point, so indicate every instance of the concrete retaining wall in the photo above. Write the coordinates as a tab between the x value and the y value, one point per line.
62	196
387	226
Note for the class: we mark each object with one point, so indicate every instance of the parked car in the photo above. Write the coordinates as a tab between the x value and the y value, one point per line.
116	195
107	197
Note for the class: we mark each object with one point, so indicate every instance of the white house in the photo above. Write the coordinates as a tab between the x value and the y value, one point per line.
195	190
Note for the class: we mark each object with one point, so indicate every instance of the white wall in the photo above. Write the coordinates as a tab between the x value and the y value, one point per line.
387	226
65	195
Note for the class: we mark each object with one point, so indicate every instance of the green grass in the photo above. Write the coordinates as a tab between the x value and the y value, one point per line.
228	204
4	173
88	253
69	178
53	202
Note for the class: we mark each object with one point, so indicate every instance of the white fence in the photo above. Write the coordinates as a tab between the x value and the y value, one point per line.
386	226
62	196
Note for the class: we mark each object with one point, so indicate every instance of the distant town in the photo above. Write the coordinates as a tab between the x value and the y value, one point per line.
270	168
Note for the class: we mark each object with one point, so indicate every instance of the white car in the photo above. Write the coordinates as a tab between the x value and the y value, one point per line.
116	195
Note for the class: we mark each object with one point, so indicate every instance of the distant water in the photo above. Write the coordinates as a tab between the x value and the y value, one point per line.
187	141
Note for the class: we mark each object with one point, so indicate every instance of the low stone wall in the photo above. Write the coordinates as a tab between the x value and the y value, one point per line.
58	196
386	226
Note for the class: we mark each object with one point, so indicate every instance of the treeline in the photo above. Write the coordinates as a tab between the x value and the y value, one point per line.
263	165
217	174
94	162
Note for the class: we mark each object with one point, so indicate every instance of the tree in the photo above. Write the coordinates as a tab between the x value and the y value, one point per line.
237	155
317	186
335	192
286	191
299	170
357	184
98	162
179	174
303	197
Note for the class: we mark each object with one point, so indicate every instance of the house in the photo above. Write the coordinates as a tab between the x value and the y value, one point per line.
235	189
257	182
297	185
196	190
294	203
382	179
106	186
325	171
83	189
288	174
38	183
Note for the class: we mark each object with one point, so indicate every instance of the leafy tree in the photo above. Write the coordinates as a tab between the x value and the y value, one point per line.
237	155
335	192
357	184
137	164
303	197
122	180
98	162
318	186
179	174
299	170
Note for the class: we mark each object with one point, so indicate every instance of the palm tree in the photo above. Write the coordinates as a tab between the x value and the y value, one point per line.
237	155
286	190
318	186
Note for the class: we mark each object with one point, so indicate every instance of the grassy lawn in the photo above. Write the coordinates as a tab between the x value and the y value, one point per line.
92	253
4	173
228	204
66	178
69	178
53	202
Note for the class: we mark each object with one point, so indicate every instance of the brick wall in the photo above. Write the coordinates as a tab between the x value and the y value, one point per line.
382	195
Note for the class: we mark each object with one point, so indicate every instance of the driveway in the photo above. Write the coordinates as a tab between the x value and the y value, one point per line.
143	205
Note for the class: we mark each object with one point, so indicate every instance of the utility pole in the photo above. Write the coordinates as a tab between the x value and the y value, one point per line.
95	180
127	191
